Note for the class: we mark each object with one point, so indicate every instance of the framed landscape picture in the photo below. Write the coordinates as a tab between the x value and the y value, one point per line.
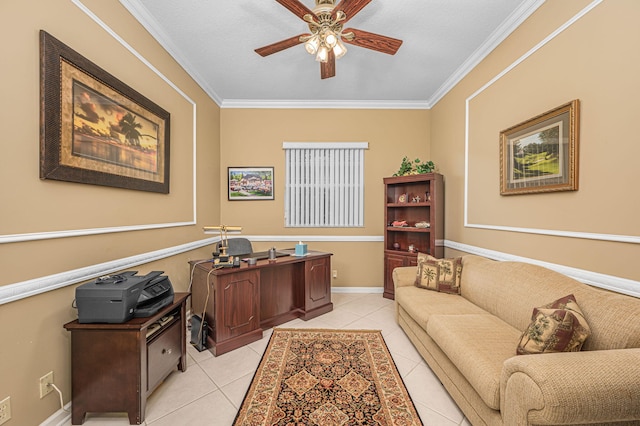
94	128
250	183
541	154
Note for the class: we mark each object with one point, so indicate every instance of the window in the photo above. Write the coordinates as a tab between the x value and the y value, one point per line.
324	184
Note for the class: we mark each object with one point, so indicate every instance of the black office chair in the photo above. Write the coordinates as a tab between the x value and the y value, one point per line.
235	246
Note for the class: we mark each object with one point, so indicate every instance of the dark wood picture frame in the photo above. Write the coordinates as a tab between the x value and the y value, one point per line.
541	154
94	129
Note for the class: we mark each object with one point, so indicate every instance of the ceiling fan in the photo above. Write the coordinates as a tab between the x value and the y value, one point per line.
328	36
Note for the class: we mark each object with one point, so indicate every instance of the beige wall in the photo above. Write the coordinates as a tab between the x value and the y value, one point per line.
254	137
599	67
595	60
32	340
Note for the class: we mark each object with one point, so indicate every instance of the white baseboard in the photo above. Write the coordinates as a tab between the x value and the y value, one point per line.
59	418
344	290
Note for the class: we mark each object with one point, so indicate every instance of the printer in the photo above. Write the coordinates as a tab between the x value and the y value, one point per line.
118	298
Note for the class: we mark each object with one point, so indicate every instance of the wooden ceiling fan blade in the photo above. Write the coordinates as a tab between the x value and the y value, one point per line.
297	8
328	69
280	45
350	8
372	41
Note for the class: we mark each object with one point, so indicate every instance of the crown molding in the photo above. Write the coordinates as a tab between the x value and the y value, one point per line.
322	104
514	20
142	15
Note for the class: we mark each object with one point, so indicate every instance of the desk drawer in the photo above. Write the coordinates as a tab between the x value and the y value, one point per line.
163	354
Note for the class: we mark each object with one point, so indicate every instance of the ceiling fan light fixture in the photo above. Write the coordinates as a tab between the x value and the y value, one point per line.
323	54
330	39
326	37
312	45
339	49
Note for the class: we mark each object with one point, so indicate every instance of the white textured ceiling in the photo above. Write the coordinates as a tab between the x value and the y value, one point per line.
214	40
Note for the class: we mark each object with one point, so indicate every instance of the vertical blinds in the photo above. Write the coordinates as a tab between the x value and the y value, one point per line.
324	184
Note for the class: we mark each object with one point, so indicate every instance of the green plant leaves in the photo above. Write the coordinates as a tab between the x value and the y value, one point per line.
414	167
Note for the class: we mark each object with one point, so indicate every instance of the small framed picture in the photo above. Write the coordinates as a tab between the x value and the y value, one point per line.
402	198
250	183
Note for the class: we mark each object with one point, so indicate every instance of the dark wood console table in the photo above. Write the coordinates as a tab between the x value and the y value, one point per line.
238	303
115	367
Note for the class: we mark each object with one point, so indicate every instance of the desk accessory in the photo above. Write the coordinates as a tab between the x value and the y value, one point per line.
301	249
222	258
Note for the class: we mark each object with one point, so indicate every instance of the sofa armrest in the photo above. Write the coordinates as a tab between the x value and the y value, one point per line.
404	276
571	387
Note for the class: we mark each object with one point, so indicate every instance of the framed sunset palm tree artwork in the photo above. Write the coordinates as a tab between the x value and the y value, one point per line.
95	129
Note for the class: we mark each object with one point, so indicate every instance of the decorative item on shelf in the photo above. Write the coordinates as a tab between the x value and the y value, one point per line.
402	198
427	196
411	248
422	224
415	167
416	199
399	223
396	246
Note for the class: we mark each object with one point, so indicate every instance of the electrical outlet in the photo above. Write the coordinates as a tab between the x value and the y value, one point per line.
335	273
45	381
5	410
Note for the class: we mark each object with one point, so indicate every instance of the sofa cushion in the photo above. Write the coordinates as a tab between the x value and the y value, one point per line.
555	327
439	274
421	304
478	345
511	290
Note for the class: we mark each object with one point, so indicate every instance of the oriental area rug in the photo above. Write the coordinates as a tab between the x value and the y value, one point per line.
327	378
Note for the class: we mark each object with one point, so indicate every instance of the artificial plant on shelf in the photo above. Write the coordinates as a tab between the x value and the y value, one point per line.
415	167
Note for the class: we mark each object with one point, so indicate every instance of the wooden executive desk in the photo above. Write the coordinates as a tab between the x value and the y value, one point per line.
241	302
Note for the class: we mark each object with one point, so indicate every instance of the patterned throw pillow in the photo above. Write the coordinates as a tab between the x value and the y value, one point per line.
556	327
439	274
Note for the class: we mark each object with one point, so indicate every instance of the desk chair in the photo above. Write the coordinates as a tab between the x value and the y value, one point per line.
236	246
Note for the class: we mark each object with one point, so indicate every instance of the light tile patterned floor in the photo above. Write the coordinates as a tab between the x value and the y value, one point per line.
211	390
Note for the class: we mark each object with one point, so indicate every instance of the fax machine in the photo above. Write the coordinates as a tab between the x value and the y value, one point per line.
118	298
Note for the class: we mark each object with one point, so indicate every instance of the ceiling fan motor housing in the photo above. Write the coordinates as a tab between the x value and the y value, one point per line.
326	22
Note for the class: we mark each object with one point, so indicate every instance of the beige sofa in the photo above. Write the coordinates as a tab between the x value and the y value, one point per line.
469	341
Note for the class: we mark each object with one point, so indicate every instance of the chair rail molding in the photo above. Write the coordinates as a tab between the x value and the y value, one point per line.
607	282
24	289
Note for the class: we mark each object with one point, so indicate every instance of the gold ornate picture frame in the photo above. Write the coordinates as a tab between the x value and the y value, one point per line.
541	154
95	129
